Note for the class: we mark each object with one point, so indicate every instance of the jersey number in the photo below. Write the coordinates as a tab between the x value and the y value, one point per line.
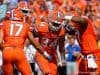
20	27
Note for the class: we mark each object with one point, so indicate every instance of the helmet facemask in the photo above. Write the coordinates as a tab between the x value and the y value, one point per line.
54	26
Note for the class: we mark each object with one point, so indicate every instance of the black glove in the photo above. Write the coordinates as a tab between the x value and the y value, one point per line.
70	29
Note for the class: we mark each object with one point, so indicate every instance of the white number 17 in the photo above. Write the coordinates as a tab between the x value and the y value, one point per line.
20	27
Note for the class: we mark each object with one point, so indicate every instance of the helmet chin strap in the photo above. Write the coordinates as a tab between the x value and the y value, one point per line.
53	28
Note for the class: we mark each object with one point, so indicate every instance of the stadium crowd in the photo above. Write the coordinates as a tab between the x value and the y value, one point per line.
65	42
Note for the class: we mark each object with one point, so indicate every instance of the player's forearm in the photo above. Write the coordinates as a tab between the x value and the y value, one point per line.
1	38
79	20
62	53
37	46
35	43
1	46
61	47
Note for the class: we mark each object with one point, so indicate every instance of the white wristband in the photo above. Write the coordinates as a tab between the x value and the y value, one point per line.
68	17
45	54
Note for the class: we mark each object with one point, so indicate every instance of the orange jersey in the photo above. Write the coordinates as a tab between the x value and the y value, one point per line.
88	39
14	33
47	38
